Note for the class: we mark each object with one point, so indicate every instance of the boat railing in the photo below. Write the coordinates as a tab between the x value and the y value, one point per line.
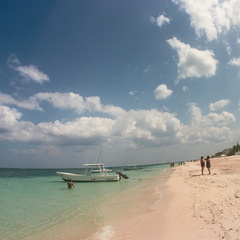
91	168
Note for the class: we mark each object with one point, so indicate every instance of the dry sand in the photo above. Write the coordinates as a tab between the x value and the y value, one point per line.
193	206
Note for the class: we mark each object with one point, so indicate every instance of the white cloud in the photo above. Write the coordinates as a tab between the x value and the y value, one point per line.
219	104
11	126
220	119
131	129
137	128
77	103
147	69
209	128
211	17
58	100
227	46
132	93
162	92
70	100
9	116
113	110
28	72
148	127
202	135
80	128
185	89
196	113
13	61
165	109
32	73
235	62
160	20
30	104
193	62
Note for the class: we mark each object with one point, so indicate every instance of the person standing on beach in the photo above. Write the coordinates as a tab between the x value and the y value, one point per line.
208	164
70	184
202	164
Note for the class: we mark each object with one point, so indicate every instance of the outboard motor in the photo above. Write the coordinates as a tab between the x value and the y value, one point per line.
122	175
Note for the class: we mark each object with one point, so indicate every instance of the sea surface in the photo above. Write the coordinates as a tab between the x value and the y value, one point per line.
35	204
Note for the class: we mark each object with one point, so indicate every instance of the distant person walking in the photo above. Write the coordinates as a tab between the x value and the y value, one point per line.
208	164
202	164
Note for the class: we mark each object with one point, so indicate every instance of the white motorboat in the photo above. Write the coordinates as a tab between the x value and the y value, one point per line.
132	167
101	176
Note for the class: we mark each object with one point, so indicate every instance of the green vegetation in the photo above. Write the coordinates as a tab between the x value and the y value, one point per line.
235	149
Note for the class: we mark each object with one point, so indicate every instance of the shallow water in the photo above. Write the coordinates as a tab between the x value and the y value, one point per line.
36	204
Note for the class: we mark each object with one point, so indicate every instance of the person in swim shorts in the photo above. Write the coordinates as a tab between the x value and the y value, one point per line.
208	164
202	164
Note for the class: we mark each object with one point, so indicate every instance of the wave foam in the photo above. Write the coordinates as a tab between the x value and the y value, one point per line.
104	234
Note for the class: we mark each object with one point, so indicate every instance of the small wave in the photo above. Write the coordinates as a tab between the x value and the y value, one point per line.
104	234
159	194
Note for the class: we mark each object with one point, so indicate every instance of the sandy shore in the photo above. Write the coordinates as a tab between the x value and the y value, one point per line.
193	206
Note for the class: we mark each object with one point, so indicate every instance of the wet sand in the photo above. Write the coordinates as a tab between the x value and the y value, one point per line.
193	206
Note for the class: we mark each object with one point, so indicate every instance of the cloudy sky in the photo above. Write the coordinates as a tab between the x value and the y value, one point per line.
152	81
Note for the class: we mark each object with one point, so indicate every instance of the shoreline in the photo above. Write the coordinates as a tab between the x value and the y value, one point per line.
136	202
112	207
193	206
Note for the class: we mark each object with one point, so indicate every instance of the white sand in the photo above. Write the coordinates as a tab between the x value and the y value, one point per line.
193	206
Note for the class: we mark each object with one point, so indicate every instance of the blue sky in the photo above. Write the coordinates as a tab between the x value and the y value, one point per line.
152	81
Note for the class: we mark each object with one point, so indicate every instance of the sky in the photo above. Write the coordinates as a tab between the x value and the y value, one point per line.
147	81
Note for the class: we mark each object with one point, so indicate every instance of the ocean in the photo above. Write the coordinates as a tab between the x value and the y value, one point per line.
35	204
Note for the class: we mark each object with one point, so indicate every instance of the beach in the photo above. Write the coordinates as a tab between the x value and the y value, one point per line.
157	203
192	206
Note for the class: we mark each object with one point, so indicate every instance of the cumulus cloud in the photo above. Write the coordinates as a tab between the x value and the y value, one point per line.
77	103
219	104
209	128
162	92
193	62
9	116
223	118
160	20
211	17
70	101
81	128
235	62
136	127
11	128
133	129
63	100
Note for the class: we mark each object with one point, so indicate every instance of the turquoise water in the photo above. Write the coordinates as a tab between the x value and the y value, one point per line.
36	204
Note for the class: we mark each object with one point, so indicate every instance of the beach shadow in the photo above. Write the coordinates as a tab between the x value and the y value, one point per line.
196	175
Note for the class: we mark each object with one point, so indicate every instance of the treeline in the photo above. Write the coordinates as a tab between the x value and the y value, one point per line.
235	149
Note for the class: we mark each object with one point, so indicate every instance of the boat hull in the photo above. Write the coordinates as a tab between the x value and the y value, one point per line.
131	168
88	178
